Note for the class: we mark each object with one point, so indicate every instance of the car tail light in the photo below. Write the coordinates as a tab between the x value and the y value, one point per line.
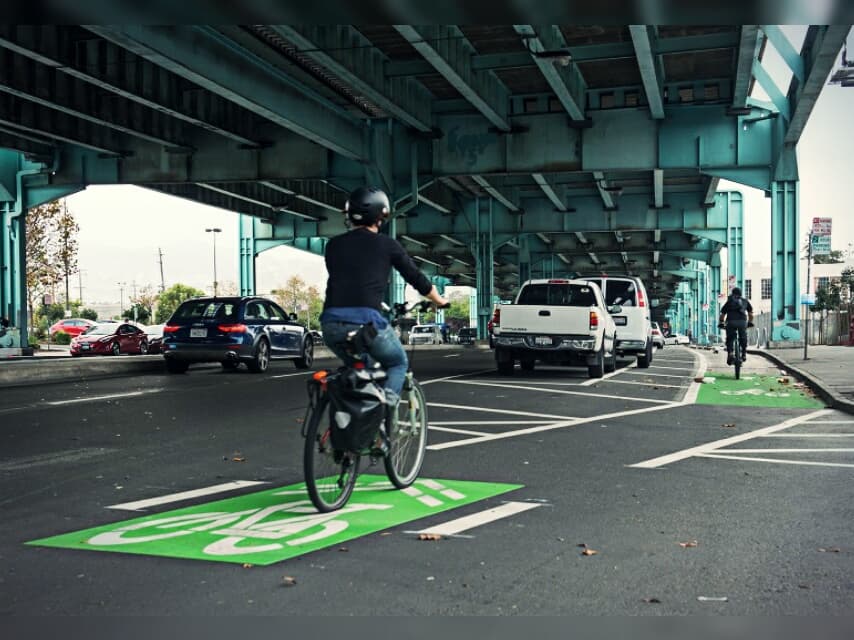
232	328
496	318
170	328
594	320
641	301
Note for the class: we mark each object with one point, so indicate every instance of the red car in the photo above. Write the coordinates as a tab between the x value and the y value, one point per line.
106	339
490	326
71	326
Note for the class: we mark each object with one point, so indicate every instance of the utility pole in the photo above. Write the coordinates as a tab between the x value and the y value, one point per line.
121	298
807	312
214	231
65	262
80	284
162	279
133	301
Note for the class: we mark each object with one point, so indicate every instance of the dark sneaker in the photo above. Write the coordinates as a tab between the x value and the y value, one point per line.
744	357
729	358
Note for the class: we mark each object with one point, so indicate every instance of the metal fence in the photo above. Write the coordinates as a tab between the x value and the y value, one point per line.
825	328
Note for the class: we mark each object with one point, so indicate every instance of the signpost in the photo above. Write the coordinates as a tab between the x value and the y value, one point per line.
819	244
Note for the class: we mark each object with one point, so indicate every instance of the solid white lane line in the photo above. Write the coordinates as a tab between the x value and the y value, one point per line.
687	366
645	372
461	375
464	432
467	422
289	375
776	460
656	384
505	411
828	450
185	495
653	463
453	527
700	364
616	372
561	391
832	422
453	355
549	427
112	396
810	435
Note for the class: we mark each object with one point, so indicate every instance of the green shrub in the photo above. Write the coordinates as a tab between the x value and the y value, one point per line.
60	337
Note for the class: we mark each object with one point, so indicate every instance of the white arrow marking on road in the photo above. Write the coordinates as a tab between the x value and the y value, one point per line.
185	495
465	523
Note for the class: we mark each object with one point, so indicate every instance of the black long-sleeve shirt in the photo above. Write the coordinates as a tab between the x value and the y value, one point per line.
359	263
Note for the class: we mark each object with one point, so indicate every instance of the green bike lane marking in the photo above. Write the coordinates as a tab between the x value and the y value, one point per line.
269	526
755	391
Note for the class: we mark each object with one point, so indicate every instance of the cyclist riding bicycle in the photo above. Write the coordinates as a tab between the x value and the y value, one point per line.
359	263
738	313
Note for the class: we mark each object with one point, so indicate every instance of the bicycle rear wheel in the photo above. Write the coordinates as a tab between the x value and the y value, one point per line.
736	359
330	474
408	438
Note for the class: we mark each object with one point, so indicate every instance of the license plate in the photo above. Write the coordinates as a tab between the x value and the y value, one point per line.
198	333
620	321
542	340
84	347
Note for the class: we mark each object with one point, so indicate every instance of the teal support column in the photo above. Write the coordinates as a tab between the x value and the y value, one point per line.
714	290
735	236
484	264
524	258
247	255
473	308
785	310
440	282
397	286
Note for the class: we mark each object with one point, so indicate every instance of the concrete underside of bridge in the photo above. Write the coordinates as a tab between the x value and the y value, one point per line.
511	151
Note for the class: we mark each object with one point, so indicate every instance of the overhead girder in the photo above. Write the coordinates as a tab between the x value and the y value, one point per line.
644	41
349	55
566	80
218	65
750	44
113	69
449	52
36	83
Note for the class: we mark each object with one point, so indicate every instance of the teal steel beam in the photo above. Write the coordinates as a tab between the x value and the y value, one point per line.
748	51
201	56
770	87
484	264
550	190
733	201
566	81
349	55
785	250
711	190
819	52
658	188
252	193
602	186
507	200
785	49
645	53
447	49
524	259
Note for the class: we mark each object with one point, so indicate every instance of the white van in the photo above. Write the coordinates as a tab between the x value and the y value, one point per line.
425	334
634	322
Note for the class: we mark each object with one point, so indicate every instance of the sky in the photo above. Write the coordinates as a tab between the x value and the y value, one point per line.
113	251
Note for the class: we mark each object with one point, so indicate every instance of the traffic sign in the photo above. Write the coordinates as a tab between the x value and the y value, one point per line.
820	245
821	226
808	298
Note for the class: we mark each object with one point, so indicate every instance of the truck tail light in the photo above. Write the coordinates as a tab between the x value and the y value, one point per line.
496	319
641	301
594	320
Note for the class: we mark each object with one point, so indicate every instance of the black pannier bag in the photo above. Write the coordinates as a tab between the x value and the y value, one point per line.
356	407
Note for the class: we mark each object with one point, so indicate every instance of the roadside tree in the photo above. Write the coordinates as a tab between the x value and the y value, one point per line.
171	298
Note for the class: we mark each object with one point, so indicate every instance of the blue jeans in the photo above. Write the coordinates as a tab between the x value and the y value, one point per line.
386	349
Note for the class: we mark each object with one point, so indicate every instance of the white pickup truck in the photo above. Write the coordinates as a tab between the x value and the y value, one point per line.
557	321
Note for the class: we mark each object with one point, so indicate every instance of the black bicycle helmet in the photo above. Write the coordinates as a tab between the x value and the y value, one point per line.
367	206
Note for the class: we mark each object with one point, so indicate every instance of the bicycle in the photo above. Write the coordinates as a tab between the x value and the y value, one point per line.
737	358
330	474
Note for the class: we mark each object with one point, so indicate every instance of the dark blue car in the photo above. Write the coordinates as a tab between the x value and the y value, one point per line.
234	330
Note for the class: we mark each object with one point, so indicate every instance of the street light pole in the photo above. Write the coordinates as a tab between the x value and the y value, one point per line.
214	231
121	298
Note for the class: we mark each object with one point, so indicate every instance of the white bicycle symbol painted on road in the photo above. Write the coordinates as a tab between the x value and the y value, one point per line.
755	392
236	527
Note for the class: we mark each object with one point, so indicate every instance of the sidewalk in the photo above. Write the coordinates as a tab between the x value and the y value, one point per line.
829	371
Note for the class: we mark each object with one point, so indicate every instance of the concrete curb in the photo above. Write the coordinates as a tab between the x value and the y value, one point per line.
828	395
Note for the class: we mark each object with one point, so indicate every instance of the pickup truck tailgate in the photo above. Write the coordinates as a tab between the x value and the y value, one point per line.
545	320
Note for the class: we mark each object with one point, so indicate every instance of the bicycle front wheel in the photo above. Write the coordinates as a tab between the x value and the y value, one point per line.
736	360
408	438
330	474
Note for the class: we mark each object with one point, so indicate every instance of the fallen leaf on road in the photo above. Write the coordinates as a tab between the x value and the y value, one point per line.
589	552
300	420
238	459
652	600
386	533
343	549
712	598
246	565
429	536
830	550
698	379
288	581
728	425
783	380
691	543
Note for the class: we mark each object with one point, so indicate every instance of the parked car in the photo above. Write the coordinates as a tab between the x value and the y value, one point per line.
155	337
634	327
677	338
110	339
557	321
425	334
468	335
72	326
657	336
232	330
317	336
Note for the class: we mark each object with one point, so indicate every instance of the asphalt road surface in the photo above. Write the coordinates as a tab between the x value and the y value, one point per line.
551	494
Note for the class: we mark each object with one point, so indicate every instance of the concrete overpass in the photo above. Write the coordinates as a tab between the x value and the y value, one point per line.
511	151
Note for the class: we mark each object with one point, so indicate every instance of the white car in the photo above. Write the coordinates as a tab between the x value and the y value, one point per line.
677	338
425	334
657	336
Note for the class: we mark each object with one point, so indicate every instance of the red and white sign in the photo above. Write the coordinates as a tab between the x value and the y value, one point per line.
822	226
730	283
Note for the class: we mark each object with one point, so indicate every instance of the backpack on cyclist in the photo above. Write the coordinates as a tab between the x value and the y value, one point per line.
741	307
356	407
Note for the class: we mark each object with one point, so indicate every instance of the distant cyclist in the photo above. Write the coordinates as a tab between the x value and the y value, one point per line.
736	316
359	263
